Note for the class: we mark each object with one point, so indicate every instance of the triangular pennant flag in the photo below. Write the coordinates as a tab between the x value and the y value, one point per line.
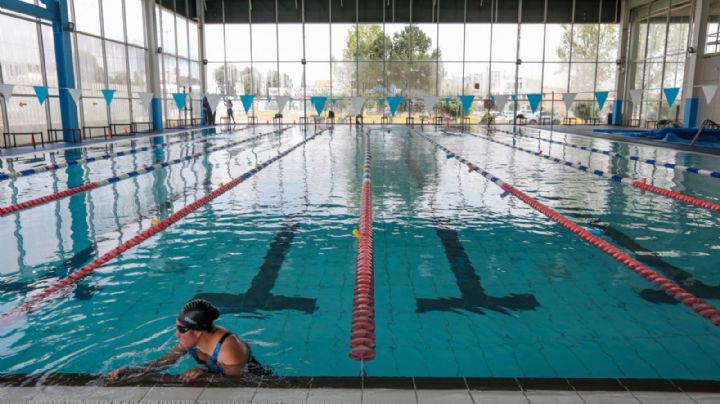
333	101
601	97
108	94
180	100
636	95
447	100
6	91
569	98
500	101
41	92
146	99
534	100
357	105
671	94
466	101
430	101
318	103
213	100
268	98
513	97
75	94
281	102
247	101
394	102
709	92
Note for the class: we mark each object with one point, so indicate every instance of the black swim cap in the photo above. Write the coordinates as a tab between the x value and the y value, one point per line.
198	314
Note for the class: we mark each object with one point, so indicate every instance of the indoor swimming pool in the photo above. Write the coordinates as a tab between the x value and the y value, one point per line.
468	280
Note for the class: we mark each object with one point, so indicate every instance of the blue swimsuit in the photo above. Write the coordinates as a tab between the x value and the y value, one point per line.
253	366
213	366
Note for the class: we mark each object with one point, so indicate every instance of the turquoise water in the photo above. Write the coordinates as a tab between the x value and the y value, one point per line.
468	281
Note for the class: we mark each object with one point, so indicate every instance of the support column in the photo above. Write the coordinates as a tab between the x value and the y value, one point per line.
693	64
152	66
622	66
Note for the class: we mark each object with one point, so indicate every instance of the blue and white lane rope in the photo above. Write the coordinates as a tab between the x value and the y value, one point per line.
652	162
58	166
693	200
146	169
163	224
695	303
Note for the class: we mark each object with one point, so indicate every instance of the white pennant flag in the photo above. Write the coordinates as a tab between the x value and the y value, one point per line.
75	94
213	100
357	105
500	101
281	102
6	91
146	99
636	95
568	98
430	101
709	92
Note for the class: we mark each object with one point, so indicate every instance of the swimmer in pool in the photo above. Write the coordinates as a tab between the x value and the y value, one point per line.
216	349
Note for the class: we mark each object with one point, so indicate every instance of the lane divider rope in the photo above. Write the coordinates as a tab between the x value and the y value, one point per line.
616	177
362	329
88	269
97	184
653	162
56	166
697	304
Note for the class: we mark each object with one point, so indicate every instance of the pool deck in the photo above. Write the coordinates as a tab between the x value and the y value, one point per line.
587	130
167	389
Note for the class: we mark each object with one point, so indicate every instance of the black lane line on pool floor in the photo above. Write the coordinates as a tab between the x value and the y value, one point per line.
259	297
650	257
472	294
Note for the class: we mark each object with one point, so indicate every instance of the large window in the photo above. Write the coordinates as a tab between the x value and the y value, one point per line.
657	48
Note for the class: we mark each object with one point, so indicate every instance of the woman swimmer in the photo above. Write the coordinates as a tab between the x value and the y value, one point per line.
217	349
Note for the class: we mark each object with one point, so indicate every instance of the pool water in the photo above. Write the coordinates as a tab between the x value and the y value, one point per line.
468	281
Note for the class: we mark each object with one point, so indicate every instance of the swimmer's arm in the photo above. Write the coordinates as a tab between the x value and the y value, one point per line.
233	362
166	360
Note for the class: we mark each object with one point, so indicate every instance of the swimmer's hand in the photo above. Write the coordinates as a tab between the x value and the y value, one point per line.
191	375
117	373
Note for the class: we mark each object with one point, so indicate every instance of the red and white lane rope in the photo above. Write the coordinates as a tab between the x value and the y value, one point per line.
678	293
616	177
58	166
362	328
97	184
88	269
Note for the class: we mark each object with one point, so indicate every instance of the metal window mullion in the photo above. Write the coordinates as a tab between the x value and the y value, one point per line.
6	122
127	62
572	40
277	46
463	46
517	53
542	64
644	60
437	59
597	56
664	59
252	68
43	73
330	42
104	55
78	74
225	70
357	50
304	65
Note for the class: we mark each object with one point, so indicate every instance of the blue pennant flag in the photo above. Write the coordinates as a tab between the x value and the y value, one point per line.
180	100
247	101
534	100
318	103
447	100
601	97
671	94
513	97
269	98
394	102
108	94
466	101
41	92
333	100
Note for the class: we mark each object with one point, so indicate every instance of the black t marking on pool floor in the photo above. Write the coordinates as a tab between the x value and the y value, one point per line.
259	297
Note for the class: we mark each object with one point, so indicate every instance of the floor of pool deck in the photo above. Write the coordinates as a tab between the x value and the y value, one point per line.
364	390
